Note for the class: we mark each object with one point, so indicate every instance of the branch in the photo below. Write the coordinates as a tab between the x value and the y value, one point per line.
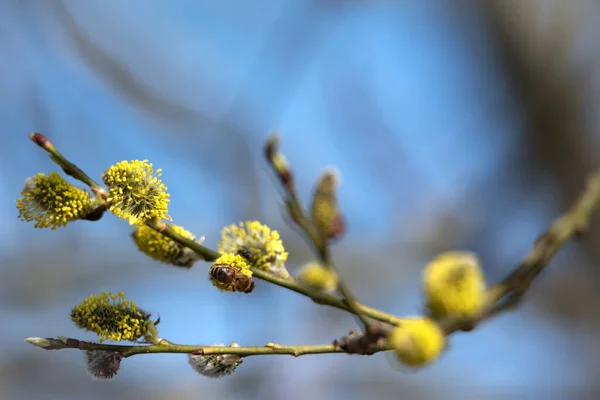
500	297
211	255
68	167
167	347
509	292
322	249
299	215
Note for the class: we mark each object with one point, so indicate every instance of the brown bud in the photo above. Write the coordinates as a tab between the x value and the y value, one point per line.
41	140
96	213
581	230
361	342
272	147
75	343
279	162
282	168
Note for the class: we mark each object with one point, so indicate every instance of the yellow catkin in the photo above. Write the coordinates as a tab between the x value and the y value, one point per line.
454	284
265	246
135	192
318	277
162	248
51	201
111	317
417	341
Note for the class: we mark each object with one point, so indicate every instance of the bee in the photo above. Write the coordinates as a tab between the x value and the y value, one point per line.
246	253
229	276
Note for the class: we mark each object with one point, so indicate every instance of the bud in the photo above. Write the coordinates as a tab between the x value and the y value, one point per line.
215	365
231	273
52	202
46	343
278	162
112	317
454	285
262	246
96	212
41	140
164	249
417	341
135	192
317	276
325	212
103	364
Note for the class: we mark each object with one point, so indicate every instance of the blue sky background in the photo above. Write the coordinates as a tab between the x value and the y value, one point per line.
405	98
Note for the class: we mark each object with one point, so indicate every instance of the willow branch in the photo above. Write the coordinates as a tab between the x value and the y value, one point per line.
167	347
508	293
500	297
300	217
209	254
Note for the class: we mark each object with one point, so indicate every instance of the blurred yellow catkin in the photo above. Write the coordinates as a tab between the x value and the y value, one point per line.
454	284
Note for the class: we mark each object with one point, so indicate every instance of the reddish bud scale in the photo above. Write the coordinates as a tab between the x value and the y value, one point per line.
41	140
287	179
338	228
74	343
95	214
100	192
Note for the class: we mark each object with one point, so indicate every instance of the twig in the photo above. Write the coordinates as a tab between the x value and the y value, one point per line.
300	217
507	293
67	166
131	350
322	250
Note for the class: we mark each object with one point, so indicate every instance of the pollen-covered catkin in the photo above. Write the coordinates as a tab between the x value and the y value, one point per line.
263	245
135	192
111	317
454	284
162	248
51	201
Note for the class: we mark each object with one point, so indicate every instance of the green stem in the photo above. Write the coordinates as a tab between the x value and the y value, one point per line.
67	166
167	347
327	299
164	228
